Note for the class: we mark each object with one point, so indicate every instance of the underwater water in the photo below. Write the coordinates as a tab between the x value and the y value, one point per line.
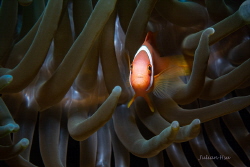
66	81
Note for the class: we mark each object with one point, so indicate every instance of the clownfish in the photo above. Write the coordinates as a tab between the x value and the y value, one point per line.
151	73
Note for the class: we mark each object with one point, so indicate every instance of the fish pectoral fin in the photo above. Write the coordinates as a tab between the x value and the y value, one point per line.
167	82
131	101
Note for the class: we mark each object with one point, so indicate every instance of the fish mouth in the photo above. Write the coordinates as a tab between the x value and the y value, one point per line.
140	76
139	83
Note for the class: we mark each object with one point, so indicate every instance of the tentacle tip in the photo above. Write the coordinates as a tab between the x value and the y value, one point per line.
209	31
8	78
196	121
11	127
16	127
5	80
244	11
117	89
175	125
24	142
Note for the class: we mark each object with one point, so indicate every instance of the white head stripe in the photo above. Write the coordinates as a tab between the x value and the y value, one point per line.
145	48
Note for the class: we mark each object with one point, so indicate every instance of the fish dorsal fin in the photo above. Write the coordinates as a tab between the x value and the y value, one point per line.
167	82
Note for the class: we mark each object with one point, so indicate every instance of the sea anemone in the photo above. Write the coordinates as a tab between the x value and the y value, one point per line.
64	83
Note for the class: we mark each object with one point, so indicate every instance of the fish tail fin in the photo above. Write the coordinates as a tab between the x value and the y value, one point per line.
149	101
131	101
184	63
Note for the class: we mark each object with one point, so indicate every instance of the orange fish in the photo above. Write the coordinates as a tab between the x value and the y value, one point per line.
151	73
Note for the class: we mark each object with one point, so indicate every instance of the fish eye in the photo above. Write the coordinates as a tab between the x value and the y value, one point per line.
131	66
149	69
